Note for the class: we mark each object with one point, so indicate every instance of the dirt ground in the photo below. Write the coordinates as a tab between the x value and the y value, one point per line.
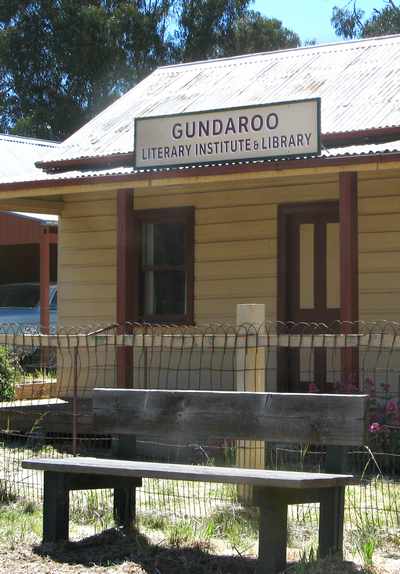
115	552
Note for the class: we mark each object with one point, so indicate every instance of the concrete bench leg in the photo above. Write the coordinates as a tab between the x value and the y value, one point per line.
125	506
55	508
331	522
272	537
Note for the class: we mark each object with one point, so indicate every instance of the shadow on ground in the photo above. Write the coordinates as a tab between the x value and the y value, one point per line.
114	547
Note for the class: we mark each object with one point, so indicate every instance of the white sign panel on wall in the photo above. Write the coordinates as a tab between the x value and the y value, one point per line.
236	134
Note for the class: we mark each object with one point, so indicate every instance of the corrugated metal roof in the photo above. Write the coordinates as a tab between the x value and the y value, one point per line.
354	151
358	83
18	155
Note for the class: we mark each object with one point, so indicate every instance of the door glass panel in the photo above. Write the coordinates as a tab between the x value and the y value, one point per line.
306	233
332	266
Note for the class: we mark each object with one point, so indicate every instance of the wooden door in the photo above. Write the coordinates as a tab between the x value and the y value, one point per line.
308	287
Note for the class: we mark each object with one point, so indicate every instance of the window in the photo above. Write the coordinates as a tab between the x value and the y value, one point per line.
166	239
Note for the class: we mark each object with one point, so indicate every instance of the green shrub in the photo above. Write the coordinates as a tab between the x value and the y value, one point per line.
10	374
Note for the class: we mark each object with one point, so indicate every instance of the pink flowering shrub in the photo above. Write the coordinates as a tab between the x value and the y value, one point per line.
384	411
312	388
384	416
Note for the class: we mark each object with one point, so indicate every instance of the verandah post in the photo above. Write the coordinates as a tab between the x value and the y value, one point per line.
250	377
348	214
126	295
47	238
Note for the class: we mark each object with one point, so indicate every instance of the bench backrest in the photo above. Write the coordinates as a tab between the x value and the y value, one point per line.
276	417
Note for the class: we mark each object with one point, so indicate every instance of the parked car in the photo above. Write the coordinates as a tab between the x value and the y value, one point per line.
20	306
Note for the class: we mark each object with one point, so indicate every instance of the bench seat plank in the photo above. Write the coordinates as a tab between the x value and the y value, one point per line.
127	468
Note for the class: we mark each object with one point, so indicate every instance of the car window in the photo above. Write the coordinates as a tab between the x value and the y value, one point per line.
23	295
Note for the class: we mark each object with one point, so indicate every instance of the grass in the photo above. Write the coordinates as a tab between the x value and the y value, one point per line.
20	522
195	514
222	533
231	530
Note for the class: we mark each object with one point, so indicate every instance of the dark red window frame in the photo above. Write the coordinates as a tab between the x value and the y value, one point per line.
183	215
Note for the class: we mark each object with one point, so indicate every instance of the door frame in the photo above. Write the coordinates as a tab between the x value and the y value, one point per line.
285	211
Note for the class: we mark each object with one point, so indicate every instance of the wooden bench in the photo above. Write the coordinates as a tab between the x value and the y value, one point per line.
337	421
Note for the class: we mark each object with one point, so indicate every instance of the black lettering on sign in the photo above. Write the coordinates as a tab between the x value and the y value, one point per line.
256	123
272	121
177	131
217	127
190	132
204	128
230	127
243	124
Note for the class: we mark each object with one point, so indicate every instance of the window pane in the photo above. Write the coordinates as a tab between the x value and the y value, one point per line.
332	266
164	293
164	243
307	266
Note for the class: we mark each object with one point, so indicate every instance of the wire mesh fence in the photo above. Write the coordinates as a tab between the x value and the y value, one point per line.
46	384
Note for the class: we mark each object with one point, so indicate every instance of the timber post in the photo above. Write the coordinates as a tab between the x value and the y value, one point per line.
250	377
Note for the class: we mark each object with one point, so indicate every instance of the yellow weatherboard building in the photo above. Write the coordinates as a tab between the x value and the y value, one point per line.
313	234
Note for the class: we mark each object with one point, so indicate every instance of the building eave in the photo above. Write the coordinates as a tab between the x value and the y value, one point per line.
189	175
375	135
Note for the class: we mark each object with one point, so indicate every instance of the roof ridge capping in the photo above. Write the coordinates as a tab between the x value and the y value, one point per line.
371	40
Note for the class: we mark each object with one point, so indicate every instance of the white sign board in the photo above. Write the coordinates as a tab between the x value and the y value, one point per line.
236	134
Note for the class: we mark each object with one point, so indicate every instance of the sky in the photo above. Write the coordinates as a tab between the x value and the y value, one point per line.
310	19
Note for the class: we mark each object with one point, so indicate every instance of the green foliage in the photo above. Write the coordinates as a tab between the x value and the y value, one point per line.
153	522
256	33
349	21
91	508
10	374
239	527
63	61
179	534
364	537
19	525
307	559
220	28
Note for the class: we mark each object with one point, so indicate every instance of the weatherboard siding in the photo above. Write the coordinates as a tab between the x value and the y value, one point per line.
87	260
236	239
235	246
379	247
235	255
